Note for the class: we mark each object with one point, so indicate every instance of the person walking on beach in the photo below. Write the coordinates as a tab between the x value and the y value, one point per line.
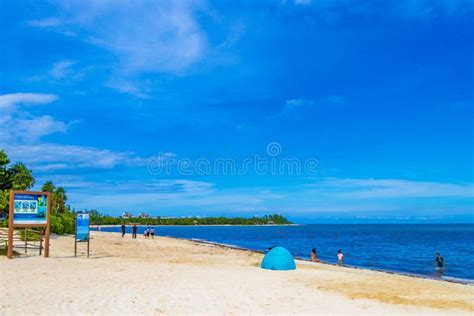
123	230
152	232
340	257
314	256
439	261
134	231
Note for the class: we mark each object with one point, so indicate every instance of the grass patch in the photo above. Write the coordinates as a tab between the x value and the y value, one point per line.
31	235
3	252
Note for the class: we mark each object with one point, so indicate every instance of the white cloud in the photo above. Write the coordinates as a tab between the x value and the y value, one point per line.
48	157
45	23
407	9
9	101
390	188
297	103
142	36
192	197
158	195
61	69
129	87
32	129
77	183
146	36
427	9
20	133
20	126
302	2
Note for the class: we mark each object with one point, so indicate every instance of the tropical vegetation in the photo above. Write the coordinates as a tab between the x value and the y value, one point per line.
102	219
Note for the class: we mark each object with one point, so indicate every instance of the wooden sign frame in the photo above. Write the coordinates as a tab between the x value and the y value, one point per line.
12	226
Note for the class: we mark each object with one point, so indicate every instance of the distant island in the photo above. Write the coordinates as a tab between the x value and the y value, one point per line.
97	218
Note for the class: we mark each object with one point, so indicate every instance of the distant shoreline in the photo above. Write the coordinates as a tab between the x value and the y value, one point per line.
192	225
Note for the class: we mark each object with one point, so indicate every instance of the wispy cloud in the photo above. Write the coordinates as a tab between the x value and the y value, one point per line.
32	129
390	188
297	103
79	183
17	125
49	157
335	10
292	105
10	101
129	87
161	195
297	2
45	23
61	69
146	36
21	136
426	9
188	199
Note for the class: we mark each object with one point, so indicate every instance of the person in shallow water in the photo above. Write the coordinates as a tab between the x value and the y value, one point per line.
314	256
439	261
123	230
340	257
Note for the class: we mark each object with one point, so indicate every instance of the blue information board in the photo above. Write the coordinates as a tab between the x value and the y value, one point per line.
30	208
82	227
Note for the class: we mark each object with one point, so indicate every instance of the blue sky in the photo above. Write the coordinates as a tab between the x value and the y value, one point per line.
379	93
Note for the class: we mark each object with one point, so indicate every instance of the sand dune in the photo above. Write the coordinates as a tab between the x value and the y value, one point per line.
170	276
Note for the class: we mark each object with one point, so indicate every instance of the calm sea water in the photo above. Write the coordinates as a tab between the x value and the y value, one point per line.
400	248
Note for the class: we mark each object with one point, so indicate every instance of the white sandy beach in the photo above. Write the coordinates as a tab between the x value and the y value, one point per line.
170	276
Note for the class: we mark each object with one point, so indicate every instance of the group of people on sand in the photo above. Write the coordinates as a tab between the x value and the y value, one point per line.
134	230
439	260
149	232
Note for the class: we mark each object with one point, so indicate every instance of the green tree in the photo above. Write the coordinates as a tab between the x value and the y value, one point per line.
48	186
12	177
58	197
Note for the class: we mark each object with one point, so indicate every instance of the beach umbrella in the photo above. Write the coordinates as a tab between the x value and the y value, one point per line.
278	259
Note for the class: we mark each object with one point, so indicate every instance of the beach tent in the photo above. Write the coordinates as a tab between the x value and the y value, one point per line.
278	259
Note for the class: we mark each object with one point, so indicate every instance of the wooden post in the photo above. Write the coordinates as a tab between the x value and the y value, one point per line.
10	228
75	239
26	240
41	244
48	222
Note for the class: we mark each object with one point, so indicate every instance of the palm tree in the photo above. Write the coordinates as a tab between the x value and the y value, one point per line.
58	197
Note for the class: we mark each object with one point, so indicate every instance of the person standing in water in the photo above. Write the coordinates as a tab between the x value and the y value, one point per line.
134	231
314	256
439	261
123	230
340	257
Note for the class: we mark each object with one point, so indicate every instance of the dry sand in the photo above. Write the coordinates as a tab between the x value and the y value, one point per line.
165	275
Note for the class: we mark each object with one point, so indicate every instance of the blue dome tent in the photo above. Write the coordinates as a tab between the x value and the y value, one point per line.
278	259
